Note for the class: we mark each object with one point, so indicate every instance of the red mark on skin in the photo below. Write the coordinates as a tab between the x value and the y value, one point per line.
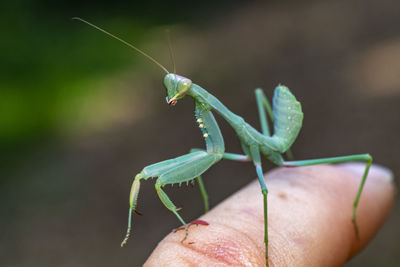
196	222
282	196
226	251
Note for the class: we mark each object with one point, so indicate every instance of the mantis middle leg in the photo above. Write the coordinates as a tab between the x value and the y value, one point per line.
255	155
230	156
263	107
203	190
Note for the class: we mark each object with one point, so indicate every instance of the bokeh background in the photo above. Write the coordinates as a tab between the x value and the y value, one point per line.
80	114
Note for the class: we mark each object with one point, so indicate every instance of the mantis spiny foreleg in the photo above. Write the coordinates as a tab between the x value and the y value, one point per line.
157	170
184	168
183	173
133	203
229	156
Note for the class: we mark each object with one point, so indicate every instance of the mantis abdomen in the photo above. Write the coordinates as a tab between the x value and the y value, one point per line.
288	118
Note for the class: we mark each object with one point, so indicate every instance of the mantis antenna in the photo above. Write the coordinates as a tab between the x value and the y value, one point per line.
124	42
171	51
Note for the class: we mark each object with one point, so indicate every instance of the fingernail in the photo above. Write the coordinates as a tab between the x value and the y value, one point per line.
377	172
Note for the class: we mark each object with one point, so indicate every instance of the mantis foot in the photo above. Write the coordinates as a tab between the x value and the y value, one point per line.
185	227
138	213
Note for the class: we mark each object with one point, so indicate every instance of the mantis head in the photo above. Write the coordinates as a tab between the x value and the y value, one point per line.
176	86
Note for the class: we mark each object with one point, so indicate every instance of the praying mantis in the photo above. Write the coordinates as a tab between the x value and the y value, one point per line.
285	114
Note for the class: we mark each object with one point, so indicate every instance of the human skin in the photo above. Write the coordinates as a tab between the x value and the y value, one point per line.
309	221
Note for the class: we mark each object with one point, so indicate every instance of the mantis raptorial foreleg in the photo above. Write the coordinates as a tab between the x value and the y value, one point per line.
133	203
184	173
236	157
177	170
230	156
361	157
168	203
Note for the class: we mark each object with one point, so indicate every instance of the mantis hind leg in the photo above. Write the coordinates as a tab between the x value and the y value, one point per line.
361	157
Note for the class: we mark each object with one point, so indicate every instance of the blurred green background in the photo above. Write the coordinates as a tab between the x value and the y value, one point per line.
80	114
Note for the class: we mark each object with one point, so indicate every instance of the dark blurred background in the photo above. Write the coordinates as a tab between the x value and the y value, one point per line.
80	114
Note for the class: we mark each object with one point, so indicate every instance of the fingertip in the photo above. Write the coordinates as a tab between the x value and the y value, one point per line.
309	209
378	173
375	202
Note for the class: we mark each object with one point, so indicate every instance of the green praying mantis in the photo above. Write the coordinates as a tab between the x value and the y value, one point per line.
285	114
